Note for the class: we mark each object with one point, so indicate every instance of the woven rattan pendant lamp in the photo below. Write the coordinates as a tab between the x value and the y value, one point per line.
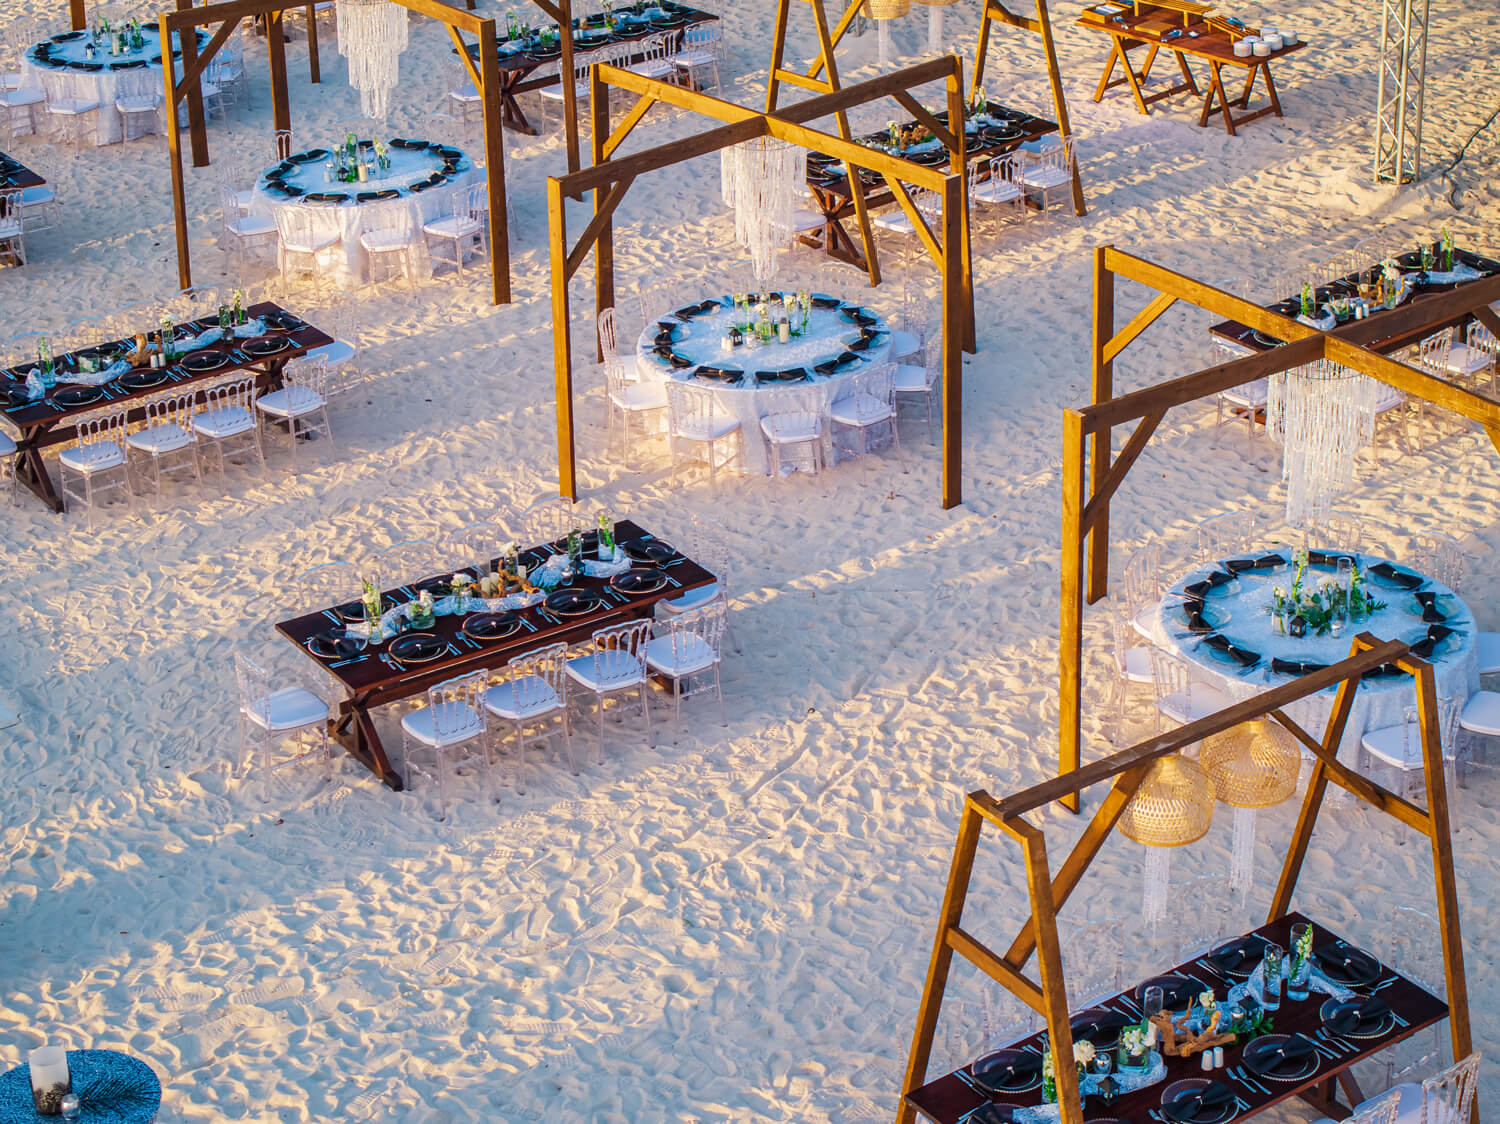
1252	766
1173	807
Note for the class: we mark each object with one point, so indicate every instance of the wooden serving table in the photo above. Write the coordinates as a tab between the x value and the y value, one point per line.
835	199
1245	337
518	68
1158	29
949	1098
46	422
370	681
15	175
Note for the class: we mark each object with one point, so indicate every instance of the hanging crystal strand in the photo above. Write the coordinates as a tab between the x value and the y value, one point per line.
761	180
1158	879
1242	858
1322	414
372	35
884	38
935	28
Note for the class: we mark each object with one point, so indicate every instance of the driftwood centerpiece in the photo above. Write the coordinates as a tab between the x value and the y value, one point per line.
1190	1042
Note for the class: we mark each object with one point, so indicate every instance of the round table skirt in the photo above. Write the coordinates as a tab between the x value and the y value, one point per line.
1378	703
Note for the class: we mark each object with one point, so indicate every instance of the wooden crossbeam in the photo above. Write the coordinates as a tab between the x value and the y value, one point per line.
613	196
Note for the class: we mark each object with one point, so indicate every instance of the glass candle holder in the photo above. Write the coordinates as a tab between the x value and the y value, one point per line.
50	1080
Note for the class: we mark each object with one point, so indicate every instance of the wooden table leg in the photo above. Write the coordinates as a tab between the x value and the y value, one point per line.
31	470
1244	99
1350	1086
355	731
1130	78
1187	74
1216	90
1109	69
1265	69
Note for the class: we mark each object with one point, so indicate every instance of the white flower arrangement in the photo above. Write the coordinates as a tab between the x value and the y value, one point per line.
1207	1001
1133	1038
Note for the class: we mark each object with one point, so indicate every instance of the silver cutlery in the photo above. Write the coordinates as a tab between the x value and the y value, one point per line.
452	651
673	581
1399	1020
528	625
963	1075
331	615
1210	968
1383	984
345	663
1243	1074
1323	1050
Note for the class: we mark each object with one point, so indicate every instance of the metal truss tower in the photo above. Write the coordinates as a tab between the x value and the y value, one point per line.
1403	72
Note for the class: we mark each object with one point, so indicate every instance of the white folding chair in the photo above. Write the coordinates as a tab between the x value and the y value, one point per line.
228	413
616	664
168	431
301	404
270	715
692	645
453	719
533	696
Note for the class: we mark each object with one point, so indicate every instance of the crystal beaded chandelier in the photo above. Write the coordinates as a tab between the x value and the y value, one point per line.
372	35
1321	415
761	180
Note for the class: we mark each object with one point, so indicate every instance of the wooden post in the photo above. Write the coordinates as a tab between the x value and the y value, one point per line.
1050	966
174	150
958	163
281	112
494	165
1070	627
187	41
1059	100
562	338
77	17
604	247
1104	390
952	264
569	83
314	62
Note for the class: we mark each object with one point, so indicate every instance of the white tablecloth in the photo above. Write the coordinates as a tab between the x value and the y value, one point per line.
700	340
1378	703
408	166
102	86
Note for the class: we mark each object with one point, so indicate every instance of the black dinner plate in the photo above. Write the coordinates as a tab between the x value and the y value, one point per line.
650	550
1101	1026
1238	958
1281	1057
440	585
1265	340
77	395
1201	1102
308	157
573	602
639	581
16	396
205	360
1176	991
1008	1071
143	380
1001	133
350	611
1364	1016
332	646
283	321
417	647
1347	966
491	626
134	64
268	346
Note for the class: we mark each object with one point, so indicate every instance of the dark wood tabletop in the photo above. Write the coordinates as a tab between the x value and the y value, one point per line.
47	422
14	174
590	34
371	681
1152	28
1349	286
948	1098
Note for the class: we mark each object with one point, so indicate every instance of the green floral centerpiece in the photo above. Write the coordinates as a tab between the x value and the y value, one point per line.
1083	1054
1322	608
1134	1053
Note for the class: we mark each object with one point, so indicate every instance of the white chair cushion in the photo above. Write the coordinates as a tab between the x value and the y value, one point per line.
251	226
379	241
37	196
910	378
996	190
9	228
138	103
1388	744
895	221
648	395
555	93
465	93
71	107
657	68
332	353
614	669
8	446
1488	646
1138	665
706	429
688	59
93	457
226	421
460	721
804	220
692	599
160	439
504	701
791	429
1251	396
1465	360
903	343
1481	714
25	95
290	402
859	410
1042	144
691	655
1408	1109
314	246
1390	399
453	226
1045	177
1204	700
287	709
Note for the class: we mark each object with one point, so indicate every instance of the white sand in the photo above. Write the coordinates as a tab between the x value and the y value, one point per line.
736	926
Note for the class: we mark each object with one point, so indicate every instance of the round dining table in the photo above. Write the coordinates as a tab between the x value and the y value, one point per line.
427	177
1418	611
687	344
61	67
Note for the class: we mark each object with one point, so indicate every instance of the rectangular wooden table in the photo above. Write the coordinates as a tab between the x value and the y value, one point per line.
835	198
1244	337
518	68
950	1097
371	682
1151	30
45	422
15	175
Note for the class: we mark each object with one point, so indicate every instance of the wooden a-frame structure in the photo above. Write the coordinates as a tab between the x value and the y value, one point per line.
1127	769
1091	475
612	175
485	74
992	12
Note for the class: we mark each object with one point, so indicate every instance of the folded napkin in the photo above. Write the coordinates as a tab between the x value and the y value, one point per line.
1387	572
1424	647
1195	621
1438	632
1384	671
1243	656
1288	1058
1430	612
1326	557
1205	1103
1295	667
1359	1015
1264	562
34	387
1344	964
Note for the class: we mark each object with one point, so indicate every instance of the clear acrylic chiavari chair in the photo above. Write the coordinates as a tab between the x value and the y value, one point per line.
534	696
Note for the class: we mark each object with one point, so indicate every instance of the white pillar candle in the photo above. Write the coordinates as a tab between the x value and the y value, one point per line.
1208	1060
49	1079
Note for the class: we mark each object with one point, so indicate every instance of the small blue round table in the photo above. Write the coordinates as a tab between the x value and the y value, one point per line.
113	1088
